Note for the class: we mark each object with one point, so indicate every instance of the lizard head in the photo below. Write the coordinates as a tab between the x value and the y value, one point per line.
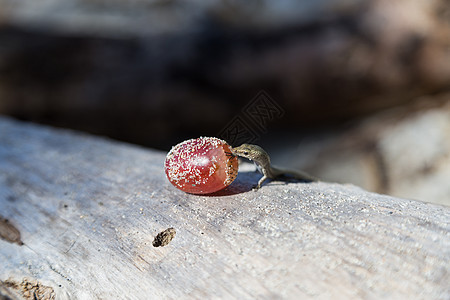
252	152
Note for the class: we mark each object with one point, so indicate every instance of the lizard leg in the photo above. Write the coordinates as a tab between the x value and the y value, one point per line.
260	182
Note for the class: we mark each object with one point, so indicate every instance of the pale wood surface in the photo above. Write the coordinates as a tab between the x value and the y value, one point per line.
88	210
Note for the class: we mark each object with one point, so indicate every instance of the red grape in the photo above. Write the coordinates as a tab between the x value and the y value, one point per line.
201	166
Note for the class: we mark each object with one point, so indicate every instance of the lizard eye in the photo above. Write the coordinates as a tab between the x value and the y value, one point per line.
245	153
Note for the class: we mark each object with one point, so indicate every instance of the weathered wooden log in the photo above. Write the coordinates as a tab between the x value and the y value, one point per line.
88	210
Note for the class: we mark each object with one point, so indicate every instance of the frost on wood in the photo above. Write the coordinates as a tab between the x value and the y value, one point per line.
88	209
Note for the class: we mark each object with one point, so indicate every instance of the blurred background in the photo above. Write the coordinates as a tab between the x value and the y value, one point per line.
353	91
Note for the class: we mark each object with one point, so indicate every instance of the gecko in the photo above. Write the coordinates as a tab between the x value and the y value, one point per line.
262	161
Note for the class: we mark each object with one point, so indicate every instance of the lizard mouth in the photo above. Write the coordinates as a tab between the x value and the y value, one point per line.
230	154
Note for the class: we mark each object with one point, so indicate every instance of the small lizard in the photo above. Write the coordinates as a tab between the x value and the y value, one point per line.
262	162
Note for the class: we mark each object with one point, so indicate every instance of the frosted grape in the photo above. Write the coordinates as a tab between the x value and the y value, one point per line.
201	166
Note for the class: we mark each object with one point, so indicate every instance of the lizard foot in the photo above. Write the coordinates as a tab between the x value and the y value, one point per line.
256	187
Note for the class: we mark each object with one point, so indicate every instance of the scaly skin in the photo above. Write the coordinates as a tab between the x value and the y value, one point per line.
262	162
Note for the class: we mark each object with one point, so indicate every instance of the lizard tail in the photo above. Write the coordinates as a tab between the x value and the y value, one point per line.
297	174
